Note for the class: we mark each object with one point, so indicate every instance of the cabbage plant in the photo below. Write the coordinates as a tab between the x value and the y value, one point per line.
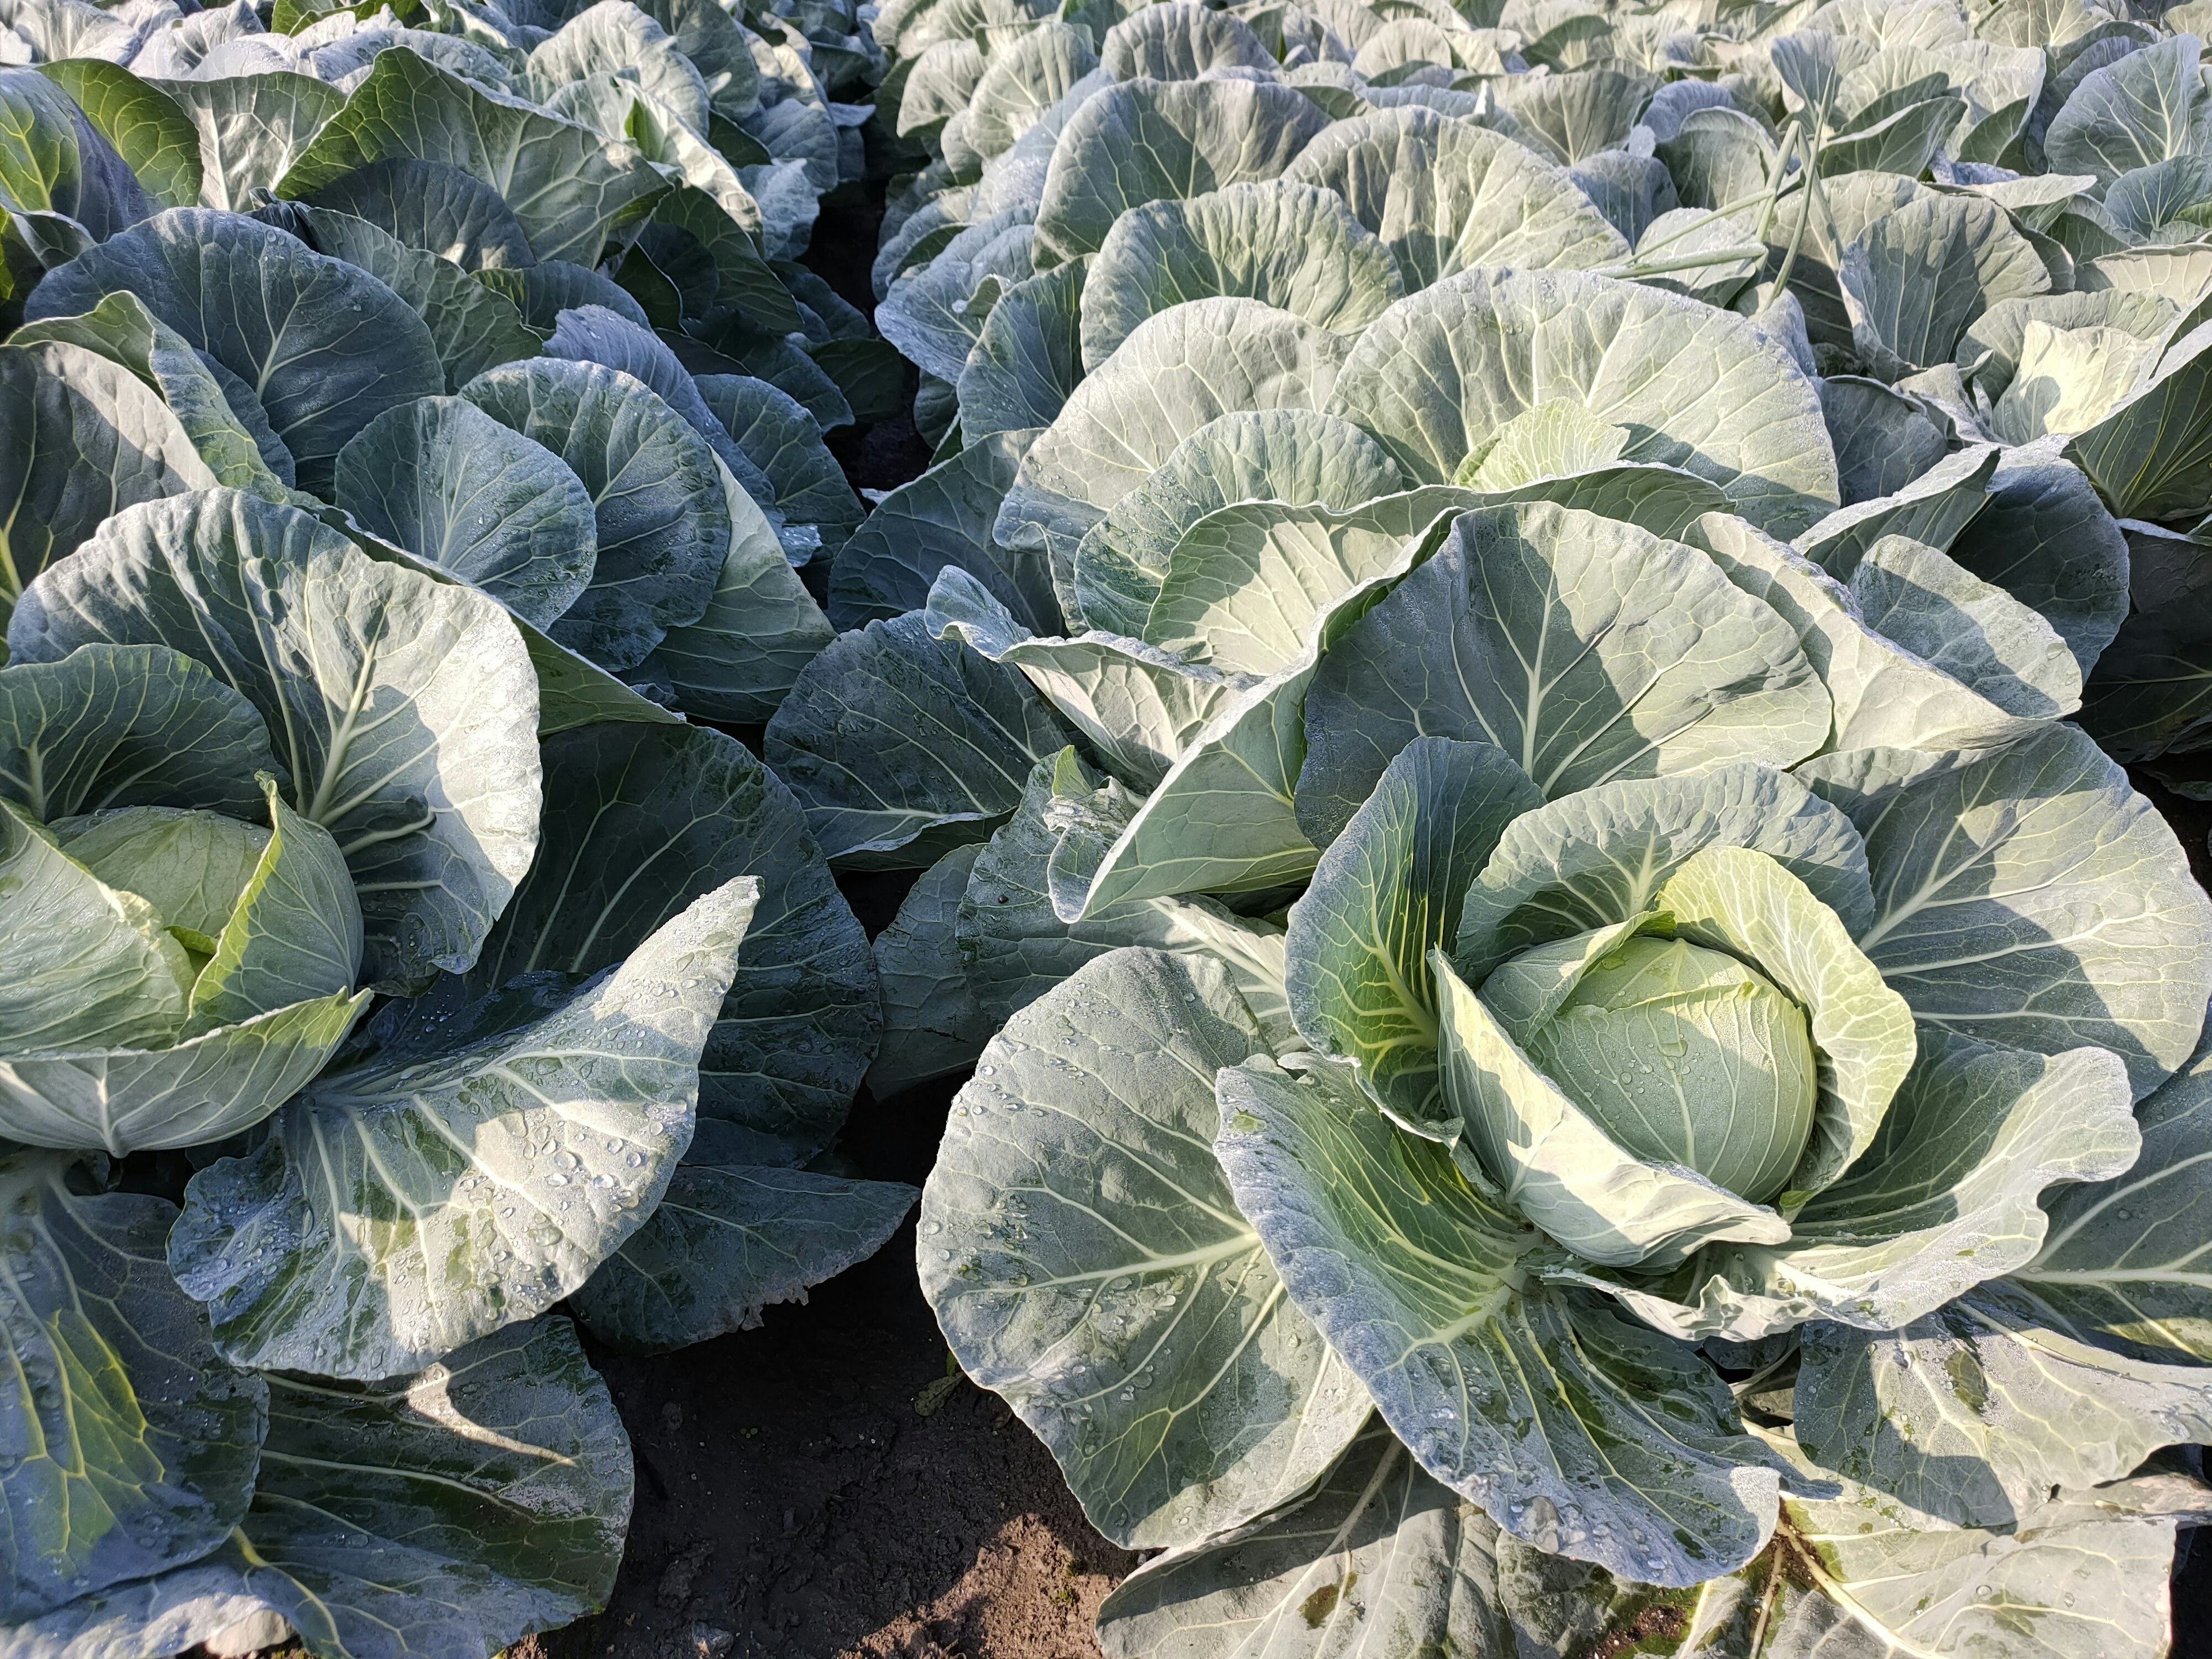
410	437
1575	1048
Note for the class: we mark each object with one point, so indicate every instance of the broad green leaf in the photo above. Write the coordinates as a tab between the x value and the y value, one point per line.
1089	1263
1978	633
1149	141
2123	1267
2149	691
1028	360
1290	455
641	820
1932	508
935	312
1180	40
434	801
2044	537
453	486
1388	890
1022	80
2151	105
1437	375
899	746
120	329
566	186
1590	859
324	347
1140	708
1884	694
1988	351
725	1243
1554	1163
615	37
431	205
1574	1430
113	725
251	128
2028	896
80	437
471	1172
932	1024
1586	649
2147	458
1380	1559
1945	1198
663	521
777	434
1182	368
1295	246
472	327
155	138
1975	1412
1018	930
1575	116
1448	195
453	1511
1867	1568
2068	380
1718	155
1882	441
1917	277
134	1443
942	519
760	629
53	162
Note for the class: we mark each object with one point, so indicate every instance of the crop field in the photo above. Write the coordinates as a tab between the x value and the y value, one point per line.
1105	829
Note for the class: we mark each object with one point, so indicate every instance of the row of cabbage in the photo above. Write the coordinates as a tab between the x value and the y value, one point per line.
411	449
1508	687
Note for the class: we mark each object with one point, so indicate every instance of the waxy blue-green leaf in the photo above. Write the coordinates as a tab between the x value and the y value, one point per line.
2044	537
1914	280
2123	1267
454	487
2149	106
1969	629
1388	890
120	329
1379	1558
1596	858
899	746
942	519
449	1512
1436	377
1295	246
431	205
155	138
80	437
1448	195
726	1241
1027	361
500	1148
1021	926
2028	896
324	346
2147	458
1148	141
1180	369
112	725
1586	649
251	128
134	1445
566	187
1976	1412
1932	508
663	521
933	1022
780	437
641	820
1089	1263
434	800
1574	1430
